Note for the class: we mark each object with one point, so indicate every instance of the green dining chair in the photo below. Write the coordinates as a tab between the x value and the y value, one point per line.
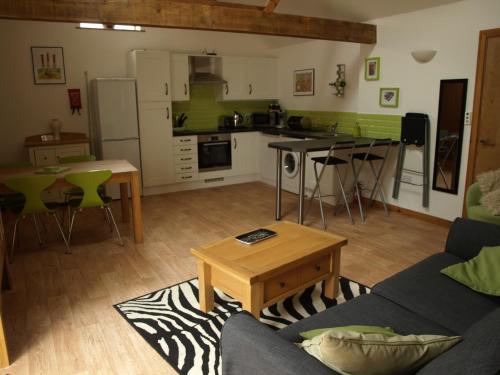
31	188
89	183
12	200
74	192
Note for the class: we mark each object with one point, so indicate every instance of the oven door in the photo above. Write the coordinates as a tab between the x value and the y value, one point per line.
214	156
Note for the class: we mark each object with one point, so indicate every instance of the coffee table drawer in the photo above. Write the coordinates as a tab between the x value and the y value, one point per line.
281	284
315	269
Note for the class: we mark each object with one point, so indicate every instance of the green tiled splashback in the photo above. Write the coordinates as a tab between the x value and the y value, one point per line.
203	110
371	125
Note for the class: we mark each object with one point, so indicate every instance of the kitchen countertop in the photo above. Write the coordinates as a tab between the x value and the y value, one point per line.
242	129
301	134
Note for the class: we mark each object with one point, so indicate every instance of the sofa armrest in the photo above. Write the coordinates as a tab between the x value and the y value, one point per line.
251	348
467	237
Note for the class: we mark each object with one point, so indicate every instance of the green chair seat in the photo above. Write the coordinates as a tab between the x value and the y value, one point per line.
76	202
481	213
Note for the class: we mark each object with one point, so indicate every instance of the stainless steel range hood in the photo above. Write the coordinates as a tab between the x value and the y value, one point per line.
205	70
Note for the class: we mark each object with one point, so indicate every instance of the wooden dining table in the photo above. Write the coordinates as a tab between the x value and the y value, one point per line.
123	173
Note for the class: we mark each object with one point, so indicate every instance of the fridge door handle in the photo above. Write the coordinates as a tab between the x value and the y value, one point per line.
166	88
168	113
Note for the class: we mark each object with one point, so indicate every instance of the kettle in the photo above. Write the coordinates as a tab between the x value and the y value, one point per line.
237	118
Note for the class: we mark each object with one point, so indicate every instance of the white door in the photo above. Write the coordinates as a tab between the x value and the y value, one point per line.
234	71
180	77
155	123
243	155
153	76
116	108
268	158
121	150
262	77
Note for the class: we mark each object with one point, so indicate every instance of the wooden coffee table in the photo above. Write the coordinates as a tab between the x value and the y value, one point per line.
261	274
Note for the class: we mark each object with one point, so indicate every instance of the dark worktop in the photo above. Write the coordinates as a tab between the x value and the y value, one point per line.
301	134
322	144
242	129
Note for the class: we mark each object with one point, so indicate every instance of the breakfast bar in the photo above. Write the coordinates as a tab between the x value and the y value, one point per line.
302	148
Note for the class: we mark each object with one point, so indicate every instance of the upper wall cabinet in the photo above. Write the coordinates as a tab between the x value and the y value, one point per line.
152	70
180	77
249	78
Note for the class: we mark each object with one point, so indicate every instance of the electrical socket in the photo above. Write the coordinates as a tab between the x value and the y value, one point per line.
468	117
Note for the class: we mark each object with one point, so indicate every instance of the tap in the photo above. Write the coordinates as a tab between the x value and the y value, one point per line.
333	128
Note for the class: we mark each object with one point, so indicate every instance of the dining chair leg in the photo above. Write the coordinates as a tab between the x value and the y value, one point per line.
14	234
106	216
37	230
68	250
44	227
341	183
114	223
71	222
356	187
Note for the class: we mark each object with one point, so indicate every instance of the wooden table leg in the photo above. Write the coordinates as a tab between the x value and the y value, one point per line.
124	201
254	299
205	287
332	286
136	207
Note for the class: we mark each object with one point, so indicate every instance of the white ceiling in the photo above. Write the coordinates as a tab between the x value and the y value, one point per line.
348	10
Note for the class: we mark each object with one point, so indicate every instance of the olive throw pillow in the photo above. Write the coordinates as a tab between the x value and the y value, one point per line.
481	273
356	328
354	353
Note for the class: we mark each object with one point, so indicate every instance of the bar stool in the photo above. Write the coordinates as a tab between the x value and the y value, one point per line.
336	162
377	174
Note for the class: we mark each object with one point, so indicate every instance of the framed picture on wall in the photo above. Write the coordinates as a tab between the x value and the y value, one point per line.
372	69
389	97
303	82
48	65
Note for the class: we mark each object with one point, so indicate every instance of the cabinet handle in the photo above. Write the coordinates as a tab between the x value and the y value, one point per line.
168	113
186	159
186	168
317	268
282	284
227	88
166	88
250	89
185	89
235	143
186	140
186	149
186	177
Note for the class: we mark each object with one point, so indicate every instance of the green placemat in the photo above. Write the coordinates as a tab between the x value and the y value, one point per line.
52	170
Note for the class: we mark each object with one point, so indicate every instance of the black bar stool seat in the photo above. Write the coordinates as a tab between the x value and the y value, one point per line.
331	161
365	156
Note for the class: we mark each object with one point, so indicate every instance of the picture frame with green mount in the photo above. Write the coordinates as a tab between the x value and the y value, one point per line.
389	97
372	68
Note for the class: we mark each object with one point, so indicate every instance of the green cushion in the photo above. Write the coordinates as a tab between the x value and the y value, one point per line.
355	353
481	213
481	273
360	329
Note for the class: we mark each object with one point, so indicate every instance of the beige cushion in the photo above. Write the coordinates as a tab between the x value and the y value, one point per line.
375	354
489	181
491	201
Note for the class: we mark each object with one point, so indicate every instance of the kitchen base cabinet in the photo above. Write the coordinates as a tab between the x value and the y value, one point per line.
268	158
245	159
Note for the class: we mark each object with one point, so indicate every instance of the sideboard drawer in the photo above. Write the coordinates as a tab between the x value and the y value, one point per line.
313	270
280	284
45	156
185	177
186	159
186	168
186	149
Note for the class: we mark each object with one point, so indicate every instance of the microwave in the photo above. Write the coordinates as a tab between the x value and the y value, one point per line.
260	119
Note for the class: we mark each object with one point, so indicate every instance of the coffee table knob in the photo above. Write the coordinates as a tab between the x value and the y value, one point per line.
282	284
318	268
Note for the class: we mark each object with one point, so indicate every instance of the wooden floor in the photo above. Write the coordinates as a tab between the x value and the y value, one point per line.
59	316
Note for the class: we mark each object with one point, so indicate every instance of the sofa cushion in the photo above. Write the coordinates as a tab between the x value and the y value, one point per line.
481	213
367	309
477	354
425	291
467	237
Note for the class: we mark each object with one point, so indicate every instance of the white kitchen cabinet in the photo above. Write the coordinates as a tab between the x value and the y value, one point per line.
155	124
180	77
262	77
268	158
245	159
249	78
151	68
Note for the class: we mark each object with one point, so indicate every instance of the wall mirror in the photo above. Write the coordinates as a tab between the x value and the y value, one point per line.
450	130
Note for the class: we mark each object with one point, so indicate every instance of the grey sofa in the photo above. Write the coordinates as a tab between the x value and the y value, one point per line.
418	300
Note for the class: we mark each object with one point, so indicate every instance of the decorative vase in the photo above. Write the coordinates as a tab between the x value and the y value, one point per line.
56	125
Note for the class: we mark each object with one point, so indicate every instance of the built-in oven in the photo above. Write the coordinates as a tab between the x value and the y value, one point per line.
214	152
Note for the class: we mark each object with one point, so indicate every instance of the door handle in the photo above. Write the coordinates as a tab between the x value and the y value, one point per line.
235	143
251	89
486	142
185	89
227	89
168	113
166	88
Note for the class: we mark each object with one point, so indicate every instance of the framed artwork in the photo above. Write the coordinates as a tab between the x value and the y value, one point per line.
372	69
389	97
48	65
303	82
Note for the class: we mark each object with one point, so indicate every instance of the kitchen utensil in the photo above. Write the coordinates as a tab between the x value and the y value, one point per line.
238	118
299	122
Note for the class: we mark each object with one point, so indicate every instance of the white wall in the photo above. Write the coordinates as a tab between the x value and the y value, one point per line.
26	109
453	30
323	56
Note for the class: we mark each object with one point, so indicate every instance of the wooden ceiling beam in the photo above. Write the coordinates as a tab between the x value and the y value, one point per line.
271	6
186	14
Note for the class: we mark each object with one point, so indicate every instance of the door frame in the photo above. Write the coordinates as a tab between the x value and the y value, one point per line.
476	110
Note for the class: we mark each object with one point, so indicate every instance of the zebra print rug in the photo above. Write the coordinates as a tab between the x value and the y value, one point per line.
188	339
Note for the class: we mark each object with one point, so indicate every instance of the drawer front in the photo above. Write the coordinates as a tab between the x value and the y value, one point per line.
186	159
185	177
70	151
188	140
45	157
186	149
312	270
280	284
186	168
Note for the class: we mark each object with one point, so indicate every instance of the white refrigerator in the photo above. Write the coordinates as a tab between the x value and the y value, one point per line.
115	126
